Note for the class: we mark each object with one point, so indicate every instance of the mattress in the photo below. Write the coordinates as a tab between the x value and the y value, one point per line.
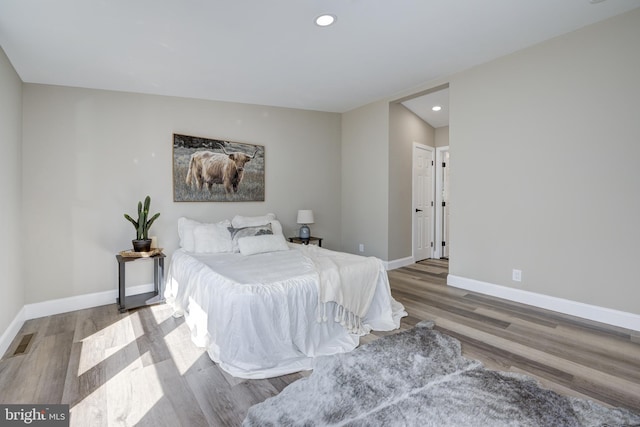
257	316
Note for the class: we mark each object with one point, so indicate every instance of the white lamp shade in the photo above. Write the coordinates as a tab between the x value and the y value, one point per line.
305	217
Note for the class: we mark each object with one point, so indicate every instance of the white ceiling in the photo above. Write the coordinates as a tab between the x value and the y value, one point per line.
271	52
422	106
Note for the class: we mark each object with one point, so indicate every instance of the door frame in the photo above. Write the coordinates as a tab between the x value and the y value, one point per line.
439	220
413	201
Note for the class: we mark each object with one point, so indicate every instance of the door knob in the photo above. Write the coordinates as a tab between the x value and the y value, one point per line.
418	210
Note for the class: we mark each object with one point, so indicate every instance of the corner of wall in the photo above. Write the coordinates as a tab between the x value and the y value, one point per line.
11	261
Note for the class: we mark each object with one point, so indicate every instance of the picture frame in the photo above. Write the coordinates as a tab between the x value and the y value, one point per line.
215	170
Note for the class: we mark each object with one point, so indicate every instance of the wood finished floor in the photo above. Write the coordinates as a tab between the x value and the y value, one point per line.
140	367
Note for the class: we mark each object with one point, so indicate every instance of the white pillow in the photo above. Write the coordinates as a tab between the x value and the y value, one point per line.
240	221
213	238
185	232
186	228
238	233
260	244
276	227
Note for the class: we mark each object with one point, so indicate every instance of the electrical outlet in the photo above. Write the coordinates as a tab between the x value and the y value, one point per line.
361	247
516	275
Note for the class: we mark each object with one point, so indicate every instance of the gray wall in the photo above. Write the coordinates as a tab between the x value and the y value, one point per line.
377	150
11	227
365	179
90	155
405	128
442	136
545	145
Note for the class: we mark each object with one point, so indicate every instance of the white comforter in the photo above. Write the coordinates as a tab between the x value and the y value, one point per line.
257	315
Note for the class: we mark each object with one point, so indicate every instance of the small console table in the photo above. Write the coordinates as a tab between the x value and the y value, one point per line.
156	296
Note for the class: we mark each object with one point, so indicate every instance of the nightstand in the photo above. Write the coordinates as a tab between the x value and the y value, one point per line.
147	298
311	240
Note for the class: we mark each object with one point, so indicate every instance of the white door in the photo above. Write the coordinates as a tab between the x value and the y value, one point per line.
423	206
443	205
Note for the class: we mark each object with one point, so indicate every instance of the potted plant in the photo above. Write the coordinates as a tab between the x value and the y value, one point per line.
142	242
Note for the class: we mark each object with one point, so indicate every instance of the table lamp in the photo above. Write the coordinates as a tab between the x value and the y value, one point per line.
305	217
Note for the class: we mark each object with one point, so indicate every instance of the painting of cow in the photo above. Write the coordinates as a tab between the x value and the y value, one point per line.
217	170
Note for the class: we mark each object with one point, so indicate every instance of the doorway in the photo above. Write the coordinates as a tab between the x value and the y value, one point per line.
431	234
423	201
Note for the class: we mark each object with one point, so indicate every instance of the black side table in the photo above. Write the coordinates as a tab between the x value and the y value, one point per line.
156	296
306	241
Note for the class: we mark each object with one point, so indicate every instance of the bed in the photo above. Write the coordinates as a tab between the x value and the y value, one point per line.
263	307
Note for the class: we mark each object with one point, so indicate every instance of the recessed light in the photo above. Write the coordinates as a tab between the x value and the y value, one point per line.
325	20
436	108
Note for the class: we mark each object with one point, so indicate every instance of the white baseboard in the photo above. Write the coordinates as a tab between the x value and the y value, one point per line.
573	308
397	263
63	305
10	333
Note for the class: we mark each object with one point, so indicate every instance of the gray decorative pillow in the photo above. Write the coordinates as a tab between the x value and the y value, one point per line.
237	233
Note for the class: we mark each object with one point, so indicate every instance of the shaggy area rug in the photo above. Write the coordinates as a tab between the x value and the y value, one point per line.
419	378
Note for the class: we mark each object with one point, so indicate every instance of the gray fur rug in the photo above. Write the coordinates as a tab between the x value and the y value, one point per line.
419	378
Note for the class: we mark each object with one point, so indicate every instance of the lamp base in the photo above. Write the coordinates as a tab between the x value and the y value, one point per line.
305	233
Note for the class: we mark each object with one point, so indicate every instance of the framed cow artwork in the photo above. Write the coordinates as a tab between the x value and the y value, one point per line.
214	170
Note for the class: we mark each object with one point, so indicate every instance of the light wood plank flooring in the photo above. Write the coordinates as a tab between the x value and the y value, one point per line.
573	356
140	367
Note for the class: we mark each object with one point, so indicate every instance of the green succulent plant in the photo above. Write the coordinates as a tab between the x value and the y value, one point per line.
142	225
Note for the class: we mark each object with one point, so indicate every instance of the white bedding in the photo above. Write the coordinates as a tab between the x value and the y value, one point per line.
257	315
